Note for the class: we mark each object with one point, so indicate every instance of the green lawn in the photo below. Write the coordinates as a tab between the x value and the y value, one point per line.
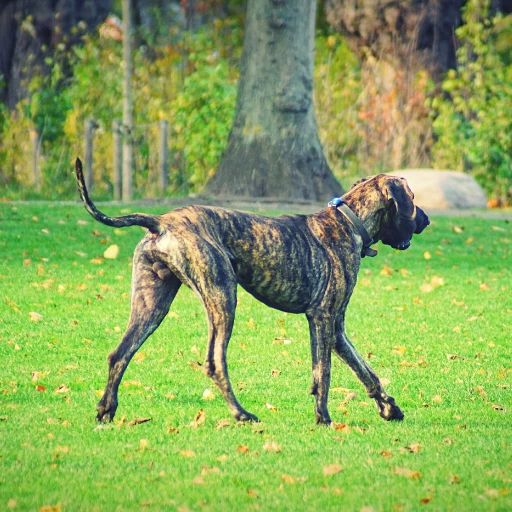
435	321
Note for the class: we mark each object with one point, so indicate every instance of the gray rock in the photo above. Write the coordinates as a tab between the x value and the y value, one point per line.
443	190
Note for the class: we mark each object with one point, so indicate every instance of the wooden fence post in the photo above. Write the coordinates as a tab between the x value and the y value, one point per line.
163	151
127	103
90	126
36	170
118	159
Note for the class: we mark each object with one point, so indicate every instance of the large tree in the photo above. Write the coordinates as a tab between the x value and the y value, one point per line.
273	148
32	30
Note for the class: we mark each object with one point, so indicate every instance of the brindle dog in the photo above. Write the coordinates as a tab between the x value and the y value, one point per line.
295	263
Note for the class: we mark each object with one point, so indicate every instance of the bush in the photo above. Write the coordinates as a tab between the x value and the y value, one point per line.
473	118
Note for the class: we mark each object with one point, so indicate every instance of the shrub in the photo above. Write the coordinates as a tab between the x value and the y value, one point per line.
473	118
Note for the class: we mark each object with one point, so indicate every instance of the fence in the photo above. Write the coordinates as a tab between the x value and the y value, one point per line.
123	168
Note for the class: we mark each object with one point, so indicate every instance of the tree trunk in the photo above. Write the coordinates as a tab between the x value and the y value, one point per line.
273	148
31	31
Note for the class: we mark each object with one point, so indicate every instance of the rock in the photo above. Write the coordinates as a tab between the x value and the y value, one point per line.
443	190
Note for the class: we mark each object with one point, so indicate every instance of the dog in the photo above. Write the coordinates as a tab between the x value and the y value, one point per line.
304	264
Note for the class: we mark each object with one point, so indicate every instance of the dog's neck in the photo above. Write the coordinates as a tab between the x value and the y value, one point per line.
370	217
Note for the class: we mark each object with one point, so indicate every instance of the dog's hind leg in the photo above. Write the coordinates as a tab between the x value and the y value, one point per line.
218	293
150	302
347	352
322	340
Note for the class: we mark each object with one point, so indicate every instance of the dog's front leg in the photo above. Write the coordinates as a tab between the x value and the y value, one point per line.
322	340
347	352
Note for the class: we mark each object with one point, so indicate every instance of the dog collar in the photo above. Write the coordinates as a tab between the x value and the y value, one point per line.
341	206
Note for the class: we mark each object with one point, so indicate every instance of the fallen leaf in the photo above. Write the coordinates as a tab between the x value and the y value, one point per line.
492	493
437	399
40	388
427	255
386	271
414	447
96	261
207	471
399	350
208	394
484	287
448	441
112	252
139	357
272	446
458	229
288	479
385	453
62	389
12	503
331	469
340	427
138	421
275	373
173	430
35	317
452	479
199	419
187	453
252	494
143	444
198	480
426	500
497	407
406	472
243	449
270	407
51	508
222	424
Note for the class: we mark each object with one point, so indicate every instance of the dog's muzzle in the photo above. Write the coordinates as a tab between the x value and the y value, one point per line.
402	246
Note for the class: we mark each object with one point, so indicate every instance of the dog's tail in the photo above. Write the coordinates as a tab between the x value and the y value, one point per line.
137	219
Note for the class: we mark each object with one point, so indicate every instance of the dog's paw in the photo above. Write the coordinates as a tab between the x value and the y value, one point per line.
322	419
390	411
105	413
246	416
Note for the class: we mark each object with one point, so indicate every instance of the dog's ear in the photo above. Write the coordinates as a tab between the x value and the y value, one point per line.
396	189
358	182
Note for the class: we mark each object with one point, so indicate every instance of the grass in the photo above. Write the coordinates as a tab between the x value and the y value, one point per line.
436	326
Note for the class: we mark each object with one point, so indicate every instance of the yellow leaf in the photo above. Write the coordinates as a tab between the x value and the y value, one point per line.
51	508
407	472
187	453
270	407
437	399
139	357
386	271
111	252
427	255
35	317
222	424
399	350
288	479
331	469
208	394
272	446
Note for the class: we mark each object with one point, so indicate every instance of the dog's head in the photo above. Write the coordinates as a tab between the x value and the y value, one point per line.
402	218
393	203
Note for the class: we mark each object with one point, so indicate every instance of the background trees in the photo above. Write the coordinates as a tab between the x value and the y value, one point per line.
396	84
273	148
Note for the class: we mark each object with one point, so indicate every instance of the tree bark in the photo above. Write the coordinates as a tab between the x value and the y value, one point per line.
273	148
31	30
